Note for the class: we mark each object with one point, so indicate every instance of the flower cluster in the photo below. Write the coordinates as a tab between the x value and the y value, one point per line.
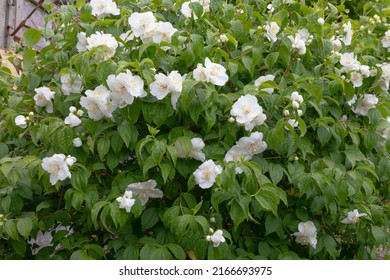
164	84
248	112
73	119
369	101
58	167
307	234
98	103
211	72
355	68
146	27
245	148
300	40
101	8
105	45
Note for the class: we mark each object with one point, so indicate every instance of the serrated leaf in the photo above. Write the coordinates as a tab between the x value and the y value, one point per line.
24	227
31	36
103	146
10	229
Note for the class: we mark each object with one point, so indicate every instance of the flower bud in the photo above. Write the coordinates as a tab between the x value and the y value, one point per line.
321	21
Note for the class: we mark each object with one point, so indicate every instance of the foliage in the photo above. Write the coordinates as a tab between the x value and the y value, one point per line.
324	157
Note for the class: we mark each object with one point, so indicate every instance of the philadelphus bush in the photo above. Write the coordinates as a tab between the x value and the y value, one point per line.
198	130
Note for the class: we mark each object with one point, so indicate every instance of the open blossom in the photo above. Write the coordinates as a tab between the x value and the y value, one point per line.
217	238
248	112
98	103
356	79
307	234
272	29
260	80
72	120
298	43
107	41
368	102
21	121
126	201
43	98
101	8
44	239
384	81
160	87
124	87
336	44
71	83
57	166
186	9
348	33
386	40
142	23
82	42
353	217
145	190
349	62
211	72
163	32
196	149
245	148
206	174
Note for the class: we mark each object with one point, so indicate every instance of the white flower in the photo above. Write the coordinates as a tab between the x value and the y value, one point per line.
101	8
98	103
175	85
292	122
71	83
321	21
260	80
356	79
217	238
253	144
217	73
353	100
125	37
206	174
57	168
43	98
126	201
82	42
187	12
70	160
365	70
72	120
336	44
368	102
121	87
272	29
107	41
161	86
223	38
248	112
145	190
163	32
72	109
349	62
42	240
307	234
353	217
348	33
77	142
296	97
21	121
196	151
201	73
298	43
142	23
386	40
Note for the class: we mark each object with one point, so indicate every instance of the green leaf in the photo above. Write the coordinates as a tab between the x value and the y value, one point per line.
28	58
24	227
379	234
288	256
354	155
149	218
271	59
10	229
275	172
103	146
95	211
129	134
158	150
177	251
31	36
268	199
80	255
